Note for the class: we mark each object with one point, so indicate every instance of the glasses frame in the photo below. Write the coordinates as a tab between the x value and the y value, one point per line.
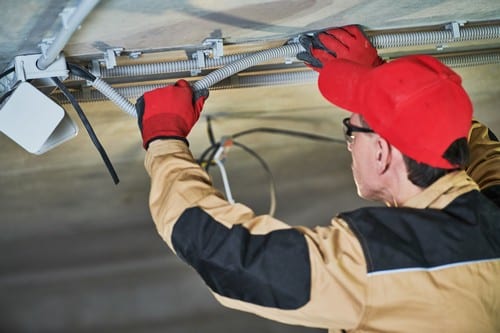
350	128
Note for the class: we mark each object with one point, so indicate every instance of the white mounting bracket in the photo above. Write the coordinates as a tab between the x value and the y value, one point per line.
455	27
212	48
110	56
27	69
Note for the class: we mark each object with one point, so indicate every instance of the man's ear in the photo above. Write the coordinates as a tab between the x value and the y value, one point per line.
383	155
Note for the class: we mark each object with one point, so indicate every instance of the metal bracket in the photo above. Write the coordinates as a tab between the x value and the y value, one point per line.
455	27
212	48
27	69
110	56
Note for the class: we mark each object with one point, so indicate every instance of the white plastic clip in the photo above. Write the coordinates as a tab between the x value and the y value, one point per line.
455	28
27	69
212	48
110	56
215	47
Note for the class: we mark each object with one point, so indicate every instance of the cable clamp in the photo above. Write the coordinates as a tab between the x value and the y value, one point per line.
27	69
455	28
110	56
211	48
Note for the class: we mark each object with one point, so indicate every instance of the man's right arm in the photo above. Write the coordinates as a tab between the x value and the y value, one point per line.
484	165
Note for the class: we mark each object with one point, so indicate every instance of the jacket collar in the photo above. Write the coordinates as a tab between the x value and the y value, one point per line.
443	191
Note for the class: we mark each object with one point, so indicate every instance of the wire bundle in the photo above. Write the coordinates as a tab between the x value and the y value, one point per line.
210	155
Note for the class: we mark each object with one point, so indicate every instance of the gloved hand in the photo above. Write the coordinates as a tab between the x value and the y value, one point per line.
169	112
348	42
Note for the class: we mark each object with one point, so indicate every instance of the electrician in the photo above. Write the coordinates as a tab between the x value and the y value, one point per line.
427	261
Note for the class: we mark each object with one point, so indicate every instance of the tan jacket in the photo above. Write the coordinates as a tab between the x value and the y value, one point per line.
327	268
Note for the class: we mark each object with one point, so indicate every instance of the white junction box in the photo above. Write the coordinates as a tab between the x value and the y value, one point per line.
34	121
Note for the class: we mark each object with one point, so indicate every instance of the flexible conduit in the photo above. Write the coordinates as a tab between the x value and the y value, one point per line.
403	39
471	60
168	67
239	82
218	75
232	67
114	96
66	32
248	81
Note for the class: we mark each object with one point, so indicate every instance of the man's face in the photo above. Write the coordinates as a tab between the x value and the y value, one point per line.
363	149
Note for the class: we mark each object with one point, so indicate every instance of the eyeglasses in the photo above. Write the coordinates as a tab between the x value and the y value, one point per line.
350	128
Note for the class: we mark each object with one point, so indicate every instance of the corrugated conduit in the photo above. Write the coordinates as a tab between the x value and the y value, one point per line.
235	63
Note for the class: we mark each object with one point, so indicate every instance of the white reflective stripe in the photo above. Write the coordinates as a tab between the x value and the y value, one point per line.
431	269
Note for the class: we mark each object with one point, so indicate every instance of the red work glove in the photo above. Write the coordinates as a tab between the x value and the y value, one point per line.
169	112
347	42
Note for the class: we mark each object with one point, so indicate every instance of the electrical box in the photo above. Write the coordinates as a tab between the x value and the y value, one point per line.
34	121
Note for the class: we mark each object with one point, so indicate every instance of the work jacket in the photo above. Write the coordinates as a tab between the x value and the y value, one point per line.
432	265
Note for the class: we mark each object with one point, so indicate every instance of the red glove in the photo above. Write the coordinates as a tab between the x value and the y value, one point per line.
169	112
347	42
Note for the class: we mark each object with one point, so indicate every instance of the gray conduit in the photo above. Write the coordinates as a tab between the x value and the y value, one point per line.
405	39
80	13
290	50
249	81
168	67
380	41
218	75
471	60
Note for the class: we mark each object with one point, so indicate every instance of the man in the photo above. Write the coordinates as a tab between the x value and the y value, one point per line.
429	261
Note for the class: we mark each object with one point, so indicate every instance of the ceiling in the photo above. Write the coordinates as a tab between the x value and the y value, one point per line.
80	254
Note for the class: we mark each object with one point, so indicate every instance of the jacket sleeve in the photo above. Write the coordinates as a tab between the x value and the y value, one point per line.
484	164
302	276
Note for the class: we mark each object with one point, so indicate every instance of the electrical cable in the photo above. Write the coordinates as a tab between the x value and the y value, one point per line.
215	150
7	94
81	72
223	174
272	183
7	72
88	127
304	135
210	132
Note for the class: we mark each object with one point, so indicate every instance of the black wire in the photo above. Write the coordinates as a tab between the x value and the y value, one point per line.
88	127
7	94
212	155
202	159
290	133
81	72
7	72
266	167
210	132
